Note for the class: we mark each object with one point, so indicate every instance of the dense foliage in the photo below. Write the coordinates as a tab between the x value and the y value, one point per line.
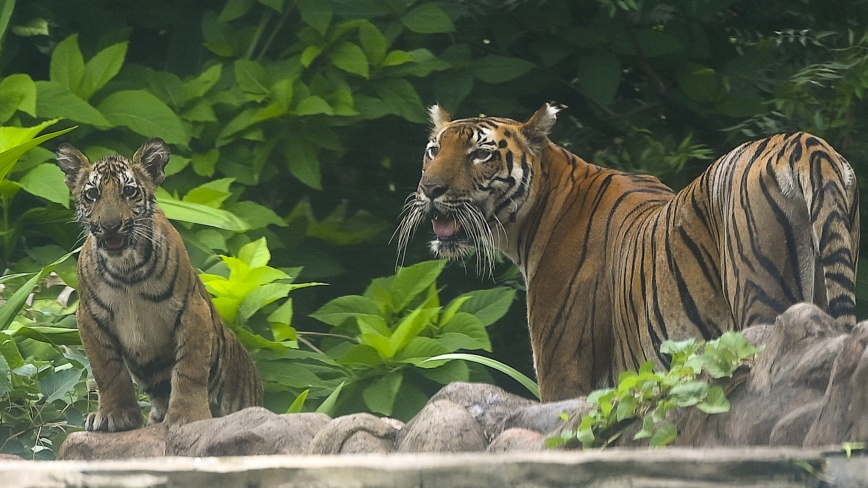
303	122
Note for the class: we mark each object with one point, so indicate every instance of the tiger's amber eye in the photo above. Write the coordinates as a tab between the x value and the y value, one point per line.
480	155
91	194
130	191
432	151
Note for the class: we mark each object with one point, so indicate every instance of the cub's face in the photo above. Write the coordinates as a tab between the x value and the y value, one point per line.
476	178
114	197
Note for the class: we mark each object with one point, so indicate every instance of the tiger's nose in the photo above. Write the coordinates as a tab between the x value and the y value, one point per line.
432	190
111	227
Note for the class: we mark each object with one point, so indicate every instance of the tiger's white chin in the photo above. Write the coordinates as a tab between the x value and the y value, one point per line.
451	249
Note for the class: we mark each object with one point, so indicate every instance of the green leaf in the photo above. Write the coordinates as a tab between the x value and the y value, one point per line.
10	156
373	42
350	58
303	163
199	214
400	98
101	69
689	393
414	323
470	326
316	13
340	309
715	401
144	114
448	373
46	181
499	69
200	85
17	92
494	364
7	7
380	397
298	404
56	101
599	76
488	305
56	336
252	77
664	435
410	282
419	350
261	296
55	385
328	405
234	9
258	216
5	380
67	64
14	303
428	18
256	253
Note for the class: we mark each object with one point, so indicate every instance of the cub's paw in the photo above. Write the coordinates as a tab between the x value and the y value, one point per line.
179	417
114	421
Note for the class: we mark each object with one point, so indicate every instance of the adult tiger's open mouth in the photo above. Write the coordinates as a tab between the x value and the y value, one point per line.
446	227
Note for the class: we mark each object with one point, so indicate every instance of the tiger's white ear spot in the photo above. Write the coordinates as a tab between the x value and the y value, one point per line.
538	126
439	116
153	156
71	161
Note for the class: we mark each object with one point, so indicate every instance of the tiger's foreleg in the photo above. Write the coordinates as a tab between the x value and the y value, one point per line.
195	336
118	404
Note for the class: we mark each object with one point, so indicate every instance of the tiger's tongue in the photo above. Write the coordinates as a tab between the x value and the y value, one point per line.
444	226
114	242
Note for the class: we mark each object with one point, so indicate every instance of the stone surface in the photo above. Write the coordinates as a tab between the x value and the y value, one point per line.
354	434
515	439
140	443
442	426
248	432
489	405
664	468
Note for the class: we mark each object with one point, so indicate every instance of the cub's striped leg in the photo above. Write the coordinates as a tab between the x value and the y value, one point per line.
193	355
118	404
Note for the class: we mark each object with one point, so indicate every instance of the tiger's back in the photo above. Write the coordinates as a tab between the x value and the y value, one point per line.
143	309
616	263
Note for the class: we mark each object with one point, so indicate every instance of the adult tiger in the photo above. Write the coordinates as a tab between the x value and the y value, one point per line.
142	308
616	263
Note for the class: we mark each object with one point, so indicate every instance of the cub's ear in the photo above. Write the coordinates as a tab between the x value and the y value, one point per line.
439	117
538	126
71	161
153	157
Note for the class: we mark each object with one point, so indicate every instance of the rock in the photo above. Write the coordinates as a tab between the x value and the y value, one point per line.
356	433
139	443
248	432
518	440
546	418
11	457
442	426
487	404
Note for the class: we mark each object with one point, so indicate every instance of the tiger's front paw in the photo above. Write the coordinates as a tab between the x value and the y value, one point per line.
115	420
179	417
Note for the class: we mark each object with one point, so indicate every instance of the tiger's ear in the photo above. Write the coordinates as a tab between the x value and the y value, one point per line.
153	157
439	117
538	126
71	161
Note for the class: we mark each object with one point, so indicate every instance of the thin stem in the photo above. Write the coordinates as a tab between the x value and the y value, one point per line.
263	23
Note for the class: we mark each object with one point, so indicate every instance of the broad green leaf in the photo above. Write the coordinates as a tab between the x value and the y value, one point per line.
10	156
261	296
67	64
350	58
380	343
10	352
298	404
380	397
488	305
101	69
373	42
448	373
599	76
234	9
626	408
200	85
494	364
419	350
328	405
428	18
715	401
289	374
17	92
144	114
338	310
252	77
361	354
397	58
258	216
375	325
5	380
414	323
310	53
55	385
277	5
471	327
400	98
256	253
664	435
7	7
316	13
412	281
280	320
689	393
495	68
56	101
58	336
313	105
303	163
199	214
46	181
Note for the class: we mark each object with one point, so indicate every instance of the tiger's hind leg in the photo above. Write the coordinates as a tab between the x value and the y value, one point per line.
790	229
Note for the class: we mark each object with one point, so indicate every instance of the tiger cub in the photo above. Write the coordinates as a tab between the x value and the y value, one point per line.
143	312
